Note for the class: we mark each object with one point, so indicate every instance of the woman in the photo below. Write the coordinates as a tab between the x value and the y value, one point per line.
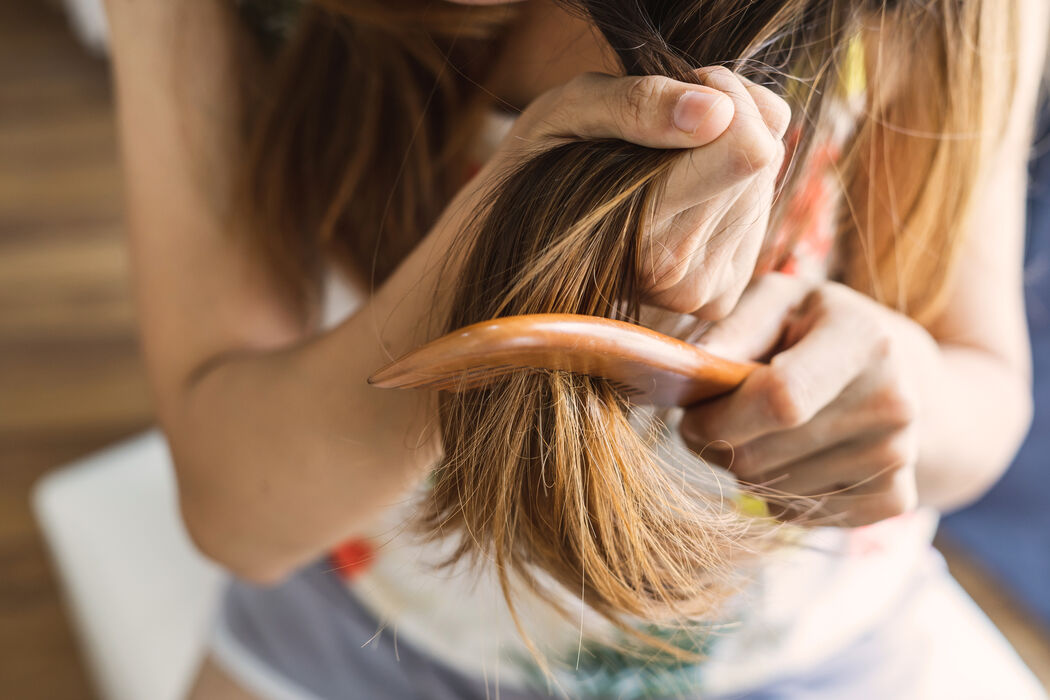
284	454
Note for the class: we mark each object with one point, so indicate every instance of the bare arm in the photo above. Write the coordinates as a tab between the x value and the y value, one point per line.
267	422
281	448
979	405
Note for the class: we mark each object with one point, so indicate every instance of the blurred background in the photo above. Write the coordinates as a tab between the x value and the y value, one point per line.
71	381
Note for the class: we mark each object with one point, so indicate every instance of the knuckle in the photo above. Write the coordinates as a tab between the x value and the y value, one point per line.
775	160
896	405
780	103
719	453
714	310
776	111
773	167
754	151
689	431
695	428
779	153
740	461
717	74
896	451
638	99
678	303
783	403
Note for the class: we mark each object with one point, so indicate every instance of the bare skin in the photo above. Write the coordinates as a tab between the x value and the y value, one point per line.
306	446
281	448
868	410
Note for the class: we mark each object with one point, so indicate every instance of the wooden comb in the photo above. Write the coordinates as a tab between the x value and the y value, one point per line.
648	366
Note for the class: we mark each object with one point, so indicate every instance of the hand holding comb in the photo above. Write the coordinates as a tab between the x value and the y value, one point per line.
650	367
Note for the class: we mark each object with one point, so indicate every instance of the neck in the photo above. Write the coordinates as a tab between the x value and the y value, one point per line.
547	47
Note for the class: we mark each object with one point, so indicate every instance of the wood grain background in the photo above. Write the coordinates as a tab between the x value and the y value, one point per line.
70	378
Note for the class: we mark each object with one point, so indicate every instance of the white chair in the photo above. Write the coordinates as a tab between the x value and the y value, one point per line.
140	596
88	18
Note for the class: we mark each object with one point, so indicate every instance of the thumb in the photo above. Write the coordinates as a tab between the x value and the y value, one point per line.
753	328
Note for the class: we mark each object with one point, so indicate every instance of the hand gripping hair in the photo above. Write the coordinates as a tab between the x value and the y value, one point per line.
553	476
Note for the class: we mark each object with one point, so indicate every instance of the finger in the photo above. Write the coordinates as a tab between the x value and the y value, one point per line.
741	220
748	116
886	496
684	264
774	109
756	323
738	274
792	388
839	469
651	111
746	149
858	416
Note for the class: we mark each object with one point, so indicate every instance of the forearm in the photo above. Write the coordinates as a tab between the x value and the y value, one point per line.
975	412
281	454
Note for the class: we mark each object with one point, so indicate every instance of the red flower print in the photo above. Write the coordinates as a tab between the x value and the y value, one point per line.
352	557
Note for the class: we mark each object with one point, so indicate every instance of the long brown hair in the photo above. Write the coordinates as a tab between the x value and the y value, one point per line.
552	472
363	135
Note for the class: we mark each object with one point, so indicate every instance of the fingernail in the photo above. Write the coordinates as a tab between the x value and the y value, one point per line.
693	107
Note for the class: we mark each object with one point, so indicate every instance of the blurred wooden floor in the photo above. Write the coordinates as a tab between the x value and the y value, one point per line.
70	378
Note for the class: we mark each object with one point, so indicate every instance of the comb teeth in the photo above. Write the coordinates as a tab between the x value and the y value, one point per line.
479	375
623	388
468	378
